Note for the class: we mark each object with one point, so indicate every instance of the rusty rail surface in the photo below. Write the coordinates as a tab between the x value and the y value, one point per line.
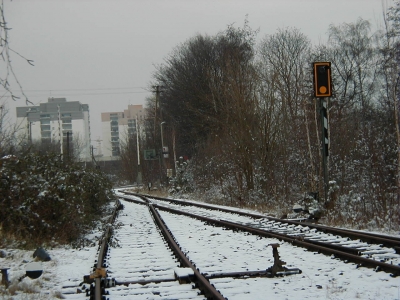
204	285
341	252
201	281
372	238
97	288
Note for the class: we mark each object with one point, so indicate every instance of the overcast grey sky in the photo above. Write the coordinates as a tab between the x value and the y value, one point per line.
103	52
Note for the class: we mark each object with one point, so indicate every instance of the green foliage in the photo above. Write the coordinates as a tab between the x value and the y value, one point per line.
43	199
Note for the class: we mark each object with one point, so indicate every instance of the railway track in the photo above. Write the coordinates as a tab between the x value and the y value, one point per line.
380	248
389	241
207	253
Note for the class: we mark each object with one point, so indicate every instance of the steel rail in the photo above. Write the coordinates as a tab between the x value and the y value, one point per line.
310	245
345	253
209	290
372	238
103	251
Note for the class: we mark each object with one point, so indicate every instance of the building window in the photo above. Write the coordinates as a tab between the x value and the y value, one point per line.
46	134
131	126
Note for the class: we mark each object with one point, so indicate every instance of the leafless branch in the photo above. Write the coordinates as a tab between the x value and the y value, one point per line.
5	55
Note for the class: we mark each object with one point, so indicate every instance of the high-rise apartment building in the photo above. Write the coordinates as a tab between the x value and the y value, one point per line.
117	125
54	121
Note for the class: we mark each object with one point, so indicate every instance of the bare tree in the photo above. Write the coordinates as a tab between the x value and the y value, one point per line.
390	70
5	53
285	97
208	97
351	47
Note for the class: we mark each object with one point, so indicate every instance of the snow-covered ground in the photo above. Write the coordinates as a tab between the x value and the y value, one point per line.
66	268
322	277
138	252
374	251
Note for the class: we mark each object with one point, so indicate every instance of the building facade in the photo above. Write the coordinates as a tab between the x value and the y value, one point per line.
116	126
57	122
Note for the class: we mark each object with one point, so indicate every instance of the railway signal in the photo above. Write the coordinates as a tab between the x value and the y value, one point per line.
323	89
322	79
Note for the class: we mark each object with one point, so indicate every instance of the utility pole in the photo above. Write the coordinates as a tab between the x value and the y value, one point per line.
60	132
157	90
28	126
164	152
139	175
68	153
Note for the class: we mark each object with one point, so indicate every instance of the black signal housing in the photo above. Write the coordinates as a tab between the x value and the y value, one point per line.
322	79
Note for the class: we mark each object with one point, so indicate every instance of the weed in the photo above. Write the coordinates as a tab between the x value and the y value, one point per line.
58	295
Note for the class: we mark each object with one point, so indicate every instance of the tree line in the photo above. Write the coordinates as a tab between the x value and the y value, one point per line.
242	110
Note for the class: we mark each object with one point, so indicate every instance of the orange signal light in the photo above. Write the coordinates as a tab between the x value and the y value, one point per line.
322	79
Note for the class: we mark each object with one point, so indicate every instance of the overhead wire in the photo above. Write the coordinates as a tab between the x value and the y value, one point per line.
95	89
96	92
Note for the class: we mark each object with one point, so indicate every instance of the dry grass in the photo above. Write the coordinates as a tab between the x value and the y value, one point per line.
24	287
153	192
333	290
27	291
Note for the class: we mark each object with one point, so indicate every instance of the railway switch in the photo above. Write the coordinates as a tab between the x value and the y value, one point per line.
98	273
278	268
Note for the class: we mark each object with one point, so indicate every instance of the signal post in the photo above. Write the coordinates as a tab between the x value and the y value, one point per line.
322	90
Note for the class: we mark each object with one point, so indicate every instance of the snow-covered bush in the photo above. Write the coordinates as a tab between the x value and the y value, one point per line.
182	182
42	198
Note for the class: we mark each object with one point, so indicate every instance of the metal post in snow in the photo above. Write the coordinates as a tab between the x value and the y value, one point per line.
325	145
323	89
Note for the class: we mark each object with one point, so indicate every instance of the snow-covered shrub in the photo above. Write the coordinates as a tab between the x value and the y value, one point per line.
43	198
182	182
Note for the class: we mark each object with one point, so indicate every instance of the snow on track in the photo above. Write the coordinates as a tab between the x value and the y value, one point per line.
215	249
138	252
368	250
